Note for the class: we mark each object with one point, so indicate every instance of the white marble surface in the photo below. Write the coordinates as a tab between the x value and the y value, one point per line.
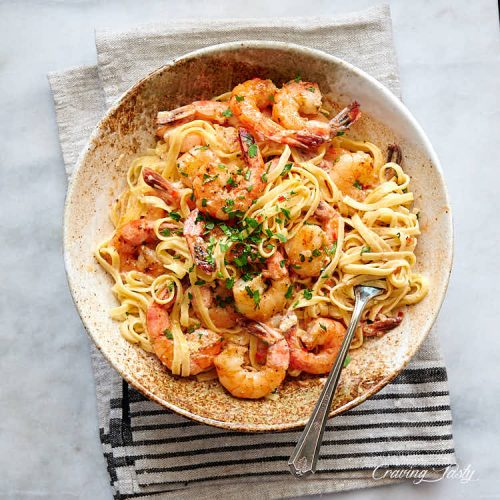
449	54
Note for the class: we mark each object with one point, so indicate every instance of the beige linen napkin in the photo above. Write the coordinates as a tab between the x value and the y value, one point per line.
151	451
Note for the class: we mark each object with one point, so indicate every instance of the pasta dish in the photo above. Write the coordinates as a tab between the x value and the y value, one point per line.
240	237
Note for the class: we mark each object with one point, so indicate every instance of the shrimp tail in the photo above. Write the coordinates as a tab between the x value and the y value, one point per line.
379	327
345	118
193	231
171	194
308	140
394	154
164	117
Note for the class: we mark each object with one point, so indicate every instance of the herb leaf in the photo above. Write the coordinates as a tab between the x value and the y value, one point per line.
252	151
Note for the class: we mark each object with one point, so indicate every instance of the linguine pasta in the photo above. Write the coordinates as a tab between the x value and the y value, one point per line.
374	239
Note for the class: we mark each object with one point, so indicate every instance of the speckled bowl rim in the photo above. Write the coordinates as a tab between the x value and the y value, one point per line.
399	108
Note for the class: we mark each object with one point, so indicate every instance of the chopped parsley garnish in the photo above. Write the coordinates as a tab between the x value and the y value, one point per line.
253	223
281	237
347	360
229	283
316	253
357	185
221	166
253	294
231	182
204	202
240	98
248	173
366	249
282	263
165	232
340	133
286	213
271	97
168	334
308	294
297	78
332	249
252	151
286	169
311	89
289	292
227	113
249	188
264	177
199	282
209	178
322	326
176	216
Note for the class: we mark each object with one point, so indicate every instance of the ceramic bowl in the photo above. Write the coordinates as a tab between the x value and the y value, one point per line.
128	129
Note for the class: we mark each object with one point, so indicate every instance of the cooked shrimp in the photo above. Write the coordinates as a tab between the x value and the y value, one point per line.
250	99
311	247
315	350
214	111
193	232
221	190
293	101
203	344
130	242
296	99
352	173
243	381
264	295
219	303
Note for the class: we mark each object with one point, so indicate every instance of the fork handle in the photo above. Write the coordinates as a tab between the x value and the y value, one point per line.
305	455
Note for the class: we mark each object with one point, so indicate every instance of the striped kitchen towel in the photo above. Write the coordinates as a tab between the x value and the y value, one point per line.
152	452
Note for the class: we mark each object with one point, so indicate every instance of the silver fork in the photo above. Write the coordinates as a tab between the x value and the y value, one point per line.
305	455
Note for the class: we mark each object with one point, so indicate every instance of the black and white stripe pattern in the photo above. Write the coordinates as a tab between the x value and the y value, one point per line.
406	425
153	453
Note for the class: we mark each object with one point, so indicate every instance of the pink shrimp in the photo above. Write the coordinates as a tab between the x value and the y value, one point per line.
203	344
219	304
214	111
311	247
131	240
250	99
315	350
249	383
222	192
